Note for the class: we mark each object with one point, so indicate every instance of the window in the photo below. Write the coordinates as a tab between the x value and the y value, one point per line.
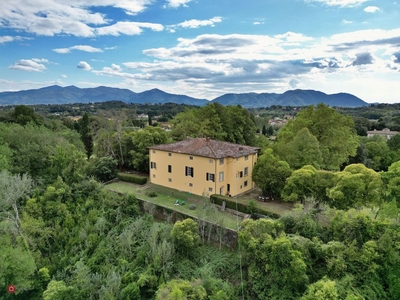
189	171
154	175
240	174
169	154
190	184
191	157
169	169
169	179
154	151
153	165
211	161
246	171
221	161
210	177
221	176
245	183
210	189
246	157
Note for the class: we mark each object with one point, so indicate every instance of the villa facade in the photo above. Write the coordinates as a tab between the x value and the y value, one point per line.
203	166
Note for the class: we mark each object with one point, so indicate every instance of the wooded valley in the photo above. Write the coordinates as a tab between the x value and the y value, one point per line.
65	236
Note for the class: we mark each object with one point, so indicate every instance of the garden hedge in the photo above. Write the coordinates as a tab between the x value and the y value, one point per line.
231	204
132	178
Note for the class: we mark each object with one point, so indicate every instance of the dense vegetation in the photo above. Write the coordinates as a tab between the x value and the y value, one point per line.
64	236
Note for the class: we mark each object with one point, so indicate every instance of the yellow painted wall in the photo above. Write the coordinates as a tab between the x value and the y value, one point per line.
198	184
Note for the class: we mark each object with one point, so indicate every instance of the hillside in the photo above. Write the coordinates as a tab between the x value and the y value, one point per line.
71	94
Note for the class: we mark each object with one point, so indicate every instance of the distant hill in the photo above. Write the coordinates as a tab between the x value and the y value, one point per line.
71	94
290	98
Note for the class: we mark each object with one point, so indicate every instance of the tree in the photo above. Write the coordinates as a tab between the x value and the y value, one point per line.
276	269
86	135
394	142
105	168
16	263
378	154
391	178
13	190
231	124
186	235
356	186
5	156
264	130
323	289
300	185
334	132
23	114
178	289
302	150
270	174
142	139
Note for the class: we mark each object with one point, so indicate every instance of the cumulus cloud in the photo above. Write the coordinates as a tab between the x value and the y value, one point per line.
31	65
84	66
194	23
127	28
7	38
340	3
364	58
371	9
84	48
64	76
74	17
176	3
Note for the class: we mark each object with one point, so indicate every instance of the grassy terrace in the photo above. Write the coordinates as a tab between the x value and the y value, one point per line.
166	198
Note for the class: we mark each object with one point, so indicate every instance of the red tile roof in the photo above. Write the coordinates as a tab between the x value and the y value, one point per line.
207	148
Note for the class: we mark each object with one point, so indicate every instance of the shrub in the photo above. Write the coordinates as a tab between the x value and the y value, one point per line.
231	204
132	178
192	206
152	194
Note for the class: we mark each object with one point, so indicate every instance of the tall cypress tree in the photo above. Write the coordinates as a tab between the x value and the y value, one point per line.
86	136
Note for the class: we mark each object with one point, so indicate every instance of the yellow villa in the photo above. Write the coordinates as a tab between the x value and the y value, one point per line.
203	166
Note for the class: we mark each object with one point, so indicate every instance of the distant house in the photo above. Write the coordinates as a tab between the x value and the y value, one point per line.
386	133
203	166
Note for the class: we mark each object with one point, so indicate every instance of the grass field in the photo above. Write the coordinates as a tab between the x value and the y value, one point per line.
167	197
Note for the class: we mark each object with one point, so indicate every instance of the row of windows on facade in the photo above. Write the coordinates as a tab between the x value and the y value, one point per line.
210	189
189	171
211	161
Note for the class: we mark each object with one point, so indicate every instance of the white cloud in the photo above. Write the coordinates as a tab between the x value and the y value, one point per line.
347	21
64	76
73	17
84	48
177	3
31	65
127	28
340	3
292	38
198	23
371	9
84	66
211	64
7	38
195	23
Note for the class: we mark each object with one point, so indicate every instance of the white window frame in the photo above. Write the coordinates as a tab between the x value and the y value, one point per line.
221	176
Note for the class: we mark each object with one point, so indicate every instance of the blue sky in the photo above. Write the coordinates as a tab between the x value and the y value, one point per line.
203	48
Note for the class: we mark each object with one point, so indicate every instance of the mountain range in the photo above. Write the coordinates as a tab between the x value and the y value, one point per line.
71	94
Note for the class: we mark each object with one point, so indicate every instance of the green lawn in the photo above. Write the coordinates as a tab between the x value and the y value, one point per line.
167	197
